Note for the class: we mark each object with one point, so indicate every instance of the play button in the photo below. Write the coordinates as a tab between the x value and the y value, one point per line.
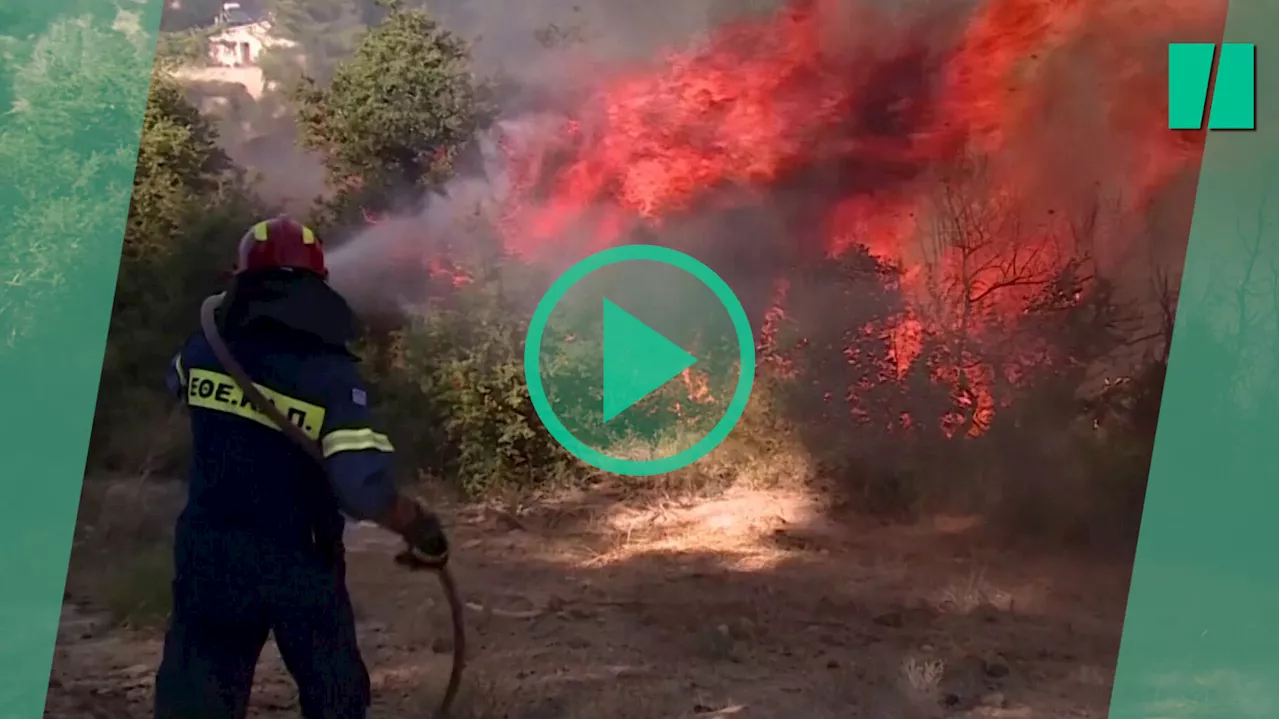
639	360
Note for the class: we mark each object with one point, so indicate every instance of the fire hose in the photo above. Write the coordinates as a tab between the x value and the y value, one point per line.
209	325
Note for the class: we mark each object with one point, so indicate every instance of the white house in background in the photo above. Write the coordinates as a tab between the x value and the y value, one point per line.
241	38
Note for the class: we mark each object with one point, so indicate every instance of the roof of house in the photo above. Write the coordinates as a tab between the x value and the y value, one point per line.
233	14
238	17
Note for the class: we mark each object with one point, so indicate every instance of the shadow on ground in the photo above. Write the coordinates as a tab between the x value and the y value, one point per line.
753	604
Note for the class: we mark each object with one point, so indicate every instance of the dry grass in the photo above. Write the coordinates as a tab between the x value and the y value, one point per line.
973	593
136	592
609	601
121	558
923	677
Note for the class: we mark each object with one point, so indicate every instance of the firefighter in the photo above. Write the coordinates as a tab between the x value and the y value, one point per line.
258	547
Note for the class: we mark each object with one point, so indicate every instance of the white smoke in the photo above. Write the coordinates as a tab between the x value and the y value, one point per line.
383	268
547	49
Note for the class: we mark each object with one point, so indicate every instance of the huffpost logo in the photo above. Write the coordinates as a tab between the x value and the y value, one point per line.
1192	75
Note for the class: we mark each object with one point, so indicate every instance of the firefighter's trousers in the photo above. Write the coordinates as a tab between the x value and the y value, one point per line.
229	594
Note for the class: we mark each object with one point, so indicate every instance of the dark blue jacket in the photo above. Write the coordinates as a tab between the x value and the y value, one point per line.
290	332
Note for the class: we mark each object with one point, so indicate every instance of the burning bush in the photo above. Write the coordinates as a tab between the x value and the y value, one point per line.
940	222
932	223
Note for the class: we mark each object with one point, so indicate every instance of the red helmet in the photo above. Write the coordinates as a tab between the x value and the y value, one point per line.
279	243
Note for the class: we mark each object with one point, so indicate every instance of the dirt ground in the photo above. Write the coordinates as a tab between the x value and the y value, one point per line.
753	604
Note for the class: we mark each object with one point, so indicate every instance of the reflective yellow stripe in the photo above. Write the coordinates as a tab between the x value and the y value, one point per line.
354	440
308	237
219	392
260	232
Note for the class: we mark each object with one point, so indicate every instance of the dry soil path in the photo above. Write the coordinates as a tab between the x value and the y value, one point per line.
745	606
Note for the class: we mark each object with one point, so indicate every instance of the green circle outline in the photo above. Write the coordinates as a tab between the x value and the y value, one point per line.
533	360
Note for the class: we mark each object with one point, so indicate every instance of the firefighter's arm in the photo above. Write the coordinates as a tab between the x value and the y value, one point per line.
175	376
359	460
358	457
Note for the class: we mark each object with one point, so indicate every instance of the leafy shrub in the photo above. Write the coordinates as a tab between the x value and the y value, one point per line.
187	212
455	396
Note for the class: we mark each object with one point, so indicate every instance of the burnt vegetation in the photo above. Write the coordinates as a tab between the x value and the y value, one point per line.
995	362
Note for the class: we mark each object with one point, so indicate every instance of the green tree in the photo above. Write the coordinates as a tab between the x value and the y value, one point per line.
63	188
326	31
183	47
179	164
397	113
28	19
188	209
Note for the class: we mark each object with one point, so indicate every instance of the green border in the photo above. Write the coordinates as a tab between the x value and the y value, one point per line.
73	87
1200	635
741	328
